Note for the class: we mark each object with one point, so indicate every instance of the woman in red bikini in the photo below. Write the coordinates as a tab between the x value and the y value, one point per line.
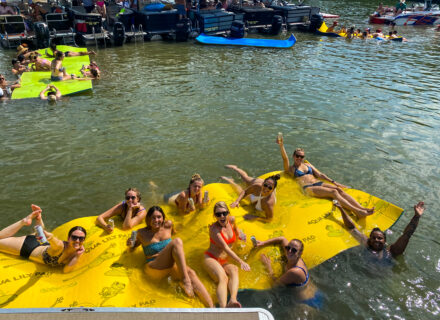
223	234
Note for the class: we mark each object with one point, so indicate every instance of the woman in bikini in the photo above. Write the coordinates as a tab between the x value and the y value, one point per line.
53	48
131	211
165	256
307	176
223	234
262	192
190	199
57	71
54	252
39	64
295	274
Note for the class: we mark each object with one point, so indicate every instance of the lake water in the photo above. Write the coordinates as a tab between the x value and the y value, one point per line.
367	114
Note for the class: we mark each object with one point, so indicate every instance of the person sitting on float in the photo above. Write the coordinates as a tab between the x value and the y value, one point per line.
332	27
54	252
131	211
262	192
376	242
166	256
191	198
295	274
5	9
307	177
39	64
222	235
53	48
57	71
53	93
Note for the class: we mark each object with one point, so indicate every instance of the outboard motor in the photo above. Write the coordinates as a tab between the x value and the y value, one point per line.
237	29
316	21
42	35
183	29
118	34
277	24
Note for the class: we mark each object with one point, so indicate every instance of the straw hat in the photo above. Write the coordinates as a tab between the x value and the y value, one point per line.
21	49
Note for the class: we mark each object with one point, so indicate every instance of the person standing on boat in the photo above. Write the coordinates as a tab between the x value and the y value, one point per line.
5	9
88	5
376	242
307	177
400	7
222	235
181	8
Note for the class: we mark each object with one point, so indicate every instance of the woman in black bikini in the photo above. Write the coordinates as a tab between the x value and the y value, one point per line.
54	252
130	210
307	176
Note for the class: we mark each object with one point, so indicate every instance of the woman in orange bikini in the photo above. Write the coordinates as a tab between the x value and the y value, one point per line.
223	234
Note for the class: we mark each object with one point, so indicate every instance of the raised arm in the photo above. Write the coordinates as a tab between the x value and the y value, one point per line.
43	92
101	219
286	163
349	224
57	91
398	247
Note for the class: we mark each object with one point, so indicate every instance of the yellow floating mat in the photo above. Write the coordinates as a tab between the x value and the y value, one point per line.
323	31
110	276
32	83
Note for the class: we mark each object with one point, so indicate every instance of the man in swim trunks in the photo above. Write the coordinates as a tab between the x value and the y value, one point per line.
376	243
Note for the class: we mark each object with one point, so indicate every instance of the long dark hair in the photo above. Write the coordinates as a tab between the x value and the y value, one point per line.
77	228
150	213
274	178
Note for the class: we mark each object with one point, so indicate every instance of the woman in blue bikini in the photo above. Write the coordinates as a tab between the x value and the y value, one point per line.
296	273
131	211
307	176
165	256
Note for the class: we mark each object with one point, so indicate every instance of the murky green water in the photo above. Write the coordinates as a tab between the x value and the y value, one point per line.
366	113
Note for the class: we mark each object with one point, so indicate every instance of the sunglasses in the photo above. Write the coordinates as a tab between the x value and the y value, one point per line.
74	238
267	186
130	197
221	214
299	156
291	249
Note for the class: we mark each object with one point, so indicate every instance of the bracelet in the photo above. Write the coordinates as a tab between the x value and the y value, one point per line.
333	181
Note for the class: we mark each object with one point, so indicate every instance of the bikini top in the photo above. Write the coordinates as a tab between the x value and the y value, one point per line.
298	173
155	247
228	241
300	284
53	260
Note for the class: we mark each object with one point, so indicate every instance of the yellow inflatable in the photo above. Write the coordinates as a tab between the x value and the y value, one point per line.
111	276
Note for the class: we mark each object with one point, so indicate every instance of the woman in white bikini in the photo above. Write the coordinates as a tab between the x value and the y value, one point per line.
261	192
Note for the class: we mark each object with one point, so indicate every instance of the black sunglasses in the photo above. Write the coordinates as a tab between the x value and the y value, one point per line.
130	197
299	156
74	238
267	186
221	213
291	249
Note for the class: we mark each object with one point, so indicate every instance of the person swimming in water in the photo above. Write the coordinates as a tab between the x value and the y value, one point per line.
131	211
165	256
53	253
307	177
376	242
191	198
53	94
295	272
222	235
261	192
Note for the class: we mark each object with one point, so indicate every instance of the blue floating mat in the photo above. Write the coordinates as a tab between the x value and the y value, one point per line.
250	42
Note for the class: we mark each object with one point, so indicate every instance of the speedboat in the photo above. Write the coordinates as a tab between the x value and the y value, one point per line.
417	15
